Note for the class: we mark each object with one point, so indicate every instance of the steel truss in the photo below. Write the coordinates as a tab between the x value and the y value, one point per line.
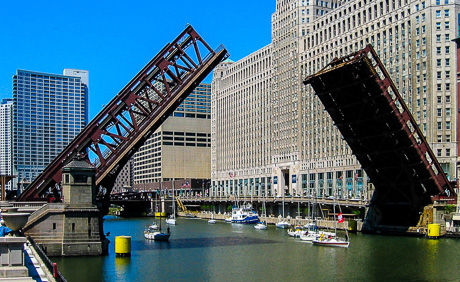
121	128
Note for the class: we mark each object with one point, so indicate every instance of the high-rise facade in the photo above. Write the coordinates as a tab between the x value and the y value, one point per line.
242	126
49	110
6	137
181	147
414	42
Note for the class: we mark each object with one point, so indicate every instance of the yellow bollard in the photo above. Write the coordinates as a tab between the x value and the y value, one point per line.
352	226
434	230
123	246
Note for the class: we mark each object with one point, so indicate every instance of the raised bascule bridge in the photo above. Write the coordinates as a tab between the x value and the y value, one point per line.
372	117
124	124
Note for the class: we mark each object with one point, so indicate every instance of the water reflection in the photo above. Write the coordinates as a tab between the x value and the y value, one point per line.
122	265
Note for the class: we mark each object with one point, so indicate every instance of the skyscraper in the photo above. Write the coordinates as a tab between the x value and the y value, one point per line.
49	110
6	136
309	157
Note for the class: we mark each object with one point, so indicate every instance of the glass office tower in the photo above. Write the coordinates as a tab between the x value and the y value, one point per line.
49	110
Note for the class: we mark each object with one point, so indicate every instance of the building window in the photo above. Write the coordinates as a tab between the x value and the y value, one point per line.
447	152
447	125
439	125
439	152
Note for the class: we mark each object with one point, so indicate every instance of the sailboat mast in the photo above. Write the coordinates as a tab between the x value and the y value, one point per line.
173	201
335	217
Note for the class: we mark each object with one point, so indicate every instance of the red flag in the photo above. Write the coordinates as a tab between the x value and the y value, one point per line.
340	217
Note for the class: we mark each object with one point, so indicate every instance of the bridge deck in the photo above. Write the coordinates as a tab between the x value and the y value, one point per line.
119	130
366	107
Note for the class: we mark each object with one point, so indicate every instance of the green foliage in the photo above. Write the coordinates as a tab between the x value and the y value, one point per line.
229	208
358	213
450	208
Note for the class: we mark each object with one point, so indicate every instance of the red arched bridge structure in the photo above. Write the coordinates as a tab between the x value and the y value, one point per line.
118	131
372	117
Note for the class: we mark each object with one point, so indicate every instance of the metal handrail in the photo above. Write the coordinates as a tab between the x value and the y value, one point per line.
46	260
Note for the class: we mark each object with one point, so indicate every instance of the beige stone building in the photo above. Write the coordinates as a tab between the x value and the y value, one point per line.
307	155
181	147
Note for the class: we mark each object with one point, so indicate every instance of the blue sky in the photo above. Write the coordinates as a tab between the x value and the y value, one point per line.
115	39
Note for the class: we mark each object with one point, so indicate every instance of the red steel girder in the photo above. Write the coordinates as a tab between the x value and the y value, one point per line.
116	133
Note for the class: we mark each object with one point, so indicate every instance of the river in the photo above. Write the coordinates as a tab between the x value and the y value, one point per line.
198	251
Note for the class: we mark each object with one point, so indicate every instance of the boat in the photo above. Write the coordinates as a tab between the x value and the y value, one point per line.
297	231
228	219
212	220
282	222
192	216
172	218
262	225
154	226
311	234
156	234
333	240
244	214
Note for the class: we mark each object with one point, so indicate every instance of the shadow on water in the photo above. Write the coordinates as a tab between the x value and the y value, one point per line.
204	243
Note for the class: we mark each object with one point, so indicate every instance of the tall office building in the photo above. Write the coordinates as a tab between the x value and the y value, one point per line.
181	147
309	157
49	110
6	137
242	126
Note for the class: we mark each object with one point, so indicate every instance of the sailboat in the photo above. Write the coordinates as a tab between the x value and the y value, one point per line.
282	222
263	224
212	220
333	241
172	218
156	234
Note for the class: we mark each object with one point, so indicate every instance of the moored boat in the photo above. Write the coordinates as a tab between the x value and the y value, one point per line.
244	214
297	231
260	226
331	242
283	224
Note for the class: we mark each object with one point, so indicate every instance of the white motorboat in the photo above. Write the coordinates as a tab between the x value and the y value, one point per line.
297	231
283	224
260	226
154	226
244	214
309	237
228	219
